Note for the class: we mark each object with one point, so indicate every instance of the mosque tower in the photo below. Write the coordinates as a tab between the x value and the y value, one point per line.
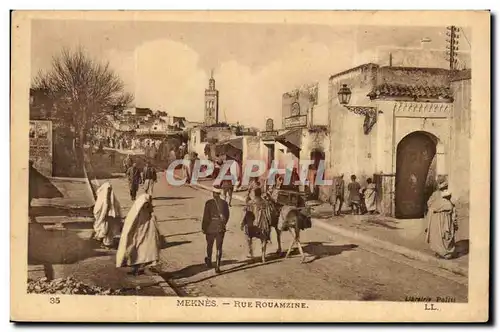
211	102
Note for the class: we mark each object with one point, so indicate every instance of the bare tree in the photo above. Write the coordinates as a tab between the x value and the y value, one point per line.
85	92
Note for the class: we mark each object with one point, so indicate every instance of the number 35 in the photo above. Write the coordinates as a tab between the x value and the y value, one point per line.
55	300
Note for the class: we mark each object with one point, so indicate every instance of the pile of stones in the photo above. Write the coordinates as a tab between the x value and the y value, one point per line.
67	286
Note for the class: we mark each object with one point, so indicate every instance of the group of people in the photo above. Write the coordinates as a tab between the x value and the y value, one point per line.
361	200
139	237
132	143
441	217
261	214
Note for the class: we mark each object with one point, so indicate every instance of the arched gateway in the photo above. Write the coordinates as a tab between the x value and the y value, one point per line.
415	174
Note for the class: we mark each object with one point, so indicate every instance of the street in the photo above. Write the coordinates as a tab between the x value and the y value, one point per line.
337	268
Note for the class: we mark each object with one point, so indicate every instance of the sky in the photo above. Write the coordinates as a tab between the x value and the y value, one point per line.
166	65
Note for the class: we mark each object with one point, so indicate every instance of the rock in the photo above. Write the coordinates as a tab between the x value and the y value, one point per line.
67	286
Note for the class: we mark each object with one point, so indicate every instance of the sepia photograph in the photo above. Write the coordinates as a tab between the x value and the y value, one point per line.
291	166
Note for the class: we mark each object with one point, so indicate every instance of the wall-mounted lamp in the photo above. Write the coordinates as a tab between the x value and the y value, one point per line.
344	95
370	113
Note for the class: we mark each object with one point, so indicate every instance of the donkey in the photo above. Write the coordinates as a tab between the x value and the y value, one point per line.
262	229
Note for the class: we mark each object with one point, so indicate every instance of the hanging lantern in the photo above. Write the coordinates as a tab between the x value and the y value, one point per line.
344	95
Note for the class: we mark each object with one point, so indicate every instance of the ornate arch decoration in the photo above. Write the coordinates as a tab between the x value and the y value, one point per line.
370	114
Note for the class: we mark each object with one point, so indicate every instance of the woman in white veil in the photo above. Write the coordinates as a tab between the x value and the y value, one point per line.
107	216
140	239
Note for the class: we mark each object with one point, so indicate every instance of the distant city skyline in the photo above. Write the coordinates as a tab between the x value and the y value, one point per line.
166	65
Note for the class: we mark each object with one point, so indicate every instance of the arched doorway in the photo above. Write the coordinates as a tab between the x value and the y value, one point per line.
415	174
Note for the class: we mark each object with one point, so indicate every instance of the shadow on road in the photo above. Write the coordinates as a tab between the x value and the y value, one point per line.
79	225
318	250
233	204
322	215
40	186
170	198
245	265
382	223
193	270
180	234
179	219
59	246
173	244
165	205
462	248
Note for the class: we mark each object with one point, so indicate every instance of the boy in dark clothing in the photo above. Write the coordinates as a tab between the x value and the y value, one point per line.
134	179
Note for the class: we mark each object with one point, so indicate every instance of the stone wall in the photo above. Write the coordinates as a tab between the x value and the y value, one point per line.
41	146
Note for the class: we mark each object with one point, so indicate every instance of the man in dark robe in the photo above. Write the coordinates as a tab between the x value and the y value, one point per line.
134	180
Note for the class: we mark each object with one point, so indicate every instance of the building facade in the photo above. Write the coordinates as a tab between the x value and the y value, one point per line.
298	139
398	130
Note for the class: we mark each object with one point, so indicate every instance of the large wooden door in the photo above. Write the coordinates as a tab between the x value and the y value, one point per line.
415	154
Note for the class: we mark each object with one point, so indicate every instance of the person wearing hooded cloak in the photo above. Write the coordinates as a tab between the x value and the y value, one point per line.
140	242
107	214
442	226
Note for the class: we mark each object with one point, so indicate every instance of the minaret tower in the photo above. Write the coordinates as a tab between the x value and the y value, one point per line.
211	102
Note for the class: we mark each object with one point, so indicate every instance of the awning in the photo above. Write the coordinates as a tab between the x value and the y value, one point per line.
292	138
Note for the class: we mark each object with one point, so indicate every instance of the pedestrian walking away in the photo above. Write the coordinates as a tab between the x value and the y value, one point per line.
140	241
214	221
134	179
149	178
107	214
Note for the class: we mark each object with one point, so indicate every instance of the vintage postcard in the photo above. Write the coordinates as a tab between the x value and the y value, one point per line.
250	166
